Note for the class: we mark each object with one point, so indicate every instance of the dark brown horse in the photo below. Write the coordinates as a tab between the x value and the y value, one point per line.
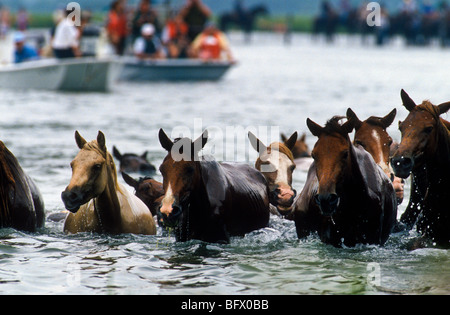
300	148
133	163
206	200
21	204
347	198
371	134
148	190
276	163
424	152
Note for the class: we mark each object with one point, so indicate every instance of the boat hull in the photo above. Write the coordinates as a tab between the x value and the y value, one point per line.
173	70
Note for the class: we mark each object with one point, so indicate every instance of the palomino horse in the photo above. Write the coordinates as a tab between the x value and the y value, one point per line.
347	198
95	198
133	163
276	163
206	200
371	134
148	190
424	152
21	204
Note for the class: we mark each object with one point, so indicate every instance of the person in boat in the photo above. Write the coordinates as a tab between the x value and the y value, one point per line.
148	46
117	26
196	14
23	52
66	41
145	14
211	44
175	37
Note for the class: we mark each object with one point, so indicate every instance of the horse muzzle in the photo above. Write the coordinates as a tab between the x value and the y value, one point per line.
328	203
72	200
283	199
169	218
402	166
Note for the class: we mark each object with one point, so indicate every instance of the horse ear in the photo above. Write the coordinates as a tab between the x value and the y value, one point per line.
116	153
101	141
303	138
348	126
130	180
444	107
200	142
290	143
283	137
315	129
144	155
79	140
352	116
257	144
407	101
389	118
165	141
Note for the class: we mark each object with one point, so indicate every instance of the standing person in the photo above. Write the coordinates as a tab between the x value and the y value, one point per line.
66	41
210	44
195	14
175	37
117	26
22	19
145	14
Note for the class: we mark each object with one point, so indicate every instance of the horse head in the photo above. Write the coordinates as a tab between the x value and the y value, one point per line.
332	159
371	134
133	163
276	163
300	148
90	169
181	175
147	189
419	134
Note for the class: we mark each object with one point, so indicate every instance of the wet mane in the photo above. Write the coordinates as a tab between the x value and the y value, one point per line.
93	146
333	126
430	108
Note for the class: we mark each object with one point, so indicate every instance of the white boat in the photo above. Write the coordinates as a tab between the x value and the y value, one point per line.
74	74
172	69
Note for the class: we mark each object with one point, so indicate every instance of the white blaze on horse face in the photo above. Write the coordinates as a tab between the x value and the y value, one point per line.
380	158
281	163
167	201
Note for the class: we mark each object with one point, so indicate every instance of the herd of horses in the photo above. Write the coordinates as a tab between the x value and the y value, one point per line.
349	196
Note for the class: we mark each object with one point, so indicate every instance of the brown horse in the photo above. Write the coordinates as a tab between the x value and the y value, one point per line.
347	198
148	190
206	200
300	148
276	163
133	163
21	204
424	152
96	200
371	134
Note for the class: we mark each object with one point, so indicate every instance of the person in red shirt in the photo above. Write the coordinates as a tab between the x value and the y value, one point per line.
117	26
175	37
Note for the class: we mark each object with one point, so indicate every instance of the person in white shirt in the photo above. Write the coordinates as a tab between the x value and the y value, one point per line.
65	42
148	46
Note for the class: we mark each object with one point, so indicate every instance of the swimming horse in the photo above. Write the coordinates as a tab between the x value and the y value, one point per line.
347	199
301	153
97	201
371	134
133	163
207	200
21	203
276	163
424	152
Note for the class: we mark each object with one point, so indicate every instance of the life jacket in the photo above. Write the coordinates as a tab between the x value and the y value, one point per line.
210	46
176	30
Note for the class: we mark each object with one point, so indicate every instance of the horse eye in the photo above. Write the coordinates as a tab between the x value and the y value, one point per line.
359	143
189	170
428	129
344	155
292	167
97	166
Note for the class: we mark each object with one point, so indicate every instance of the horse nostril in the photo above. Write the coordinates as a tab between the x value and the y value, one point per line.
333	199
317	199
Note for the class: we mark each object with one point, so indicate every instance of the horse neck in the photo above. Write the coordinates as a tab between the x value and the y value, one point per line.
353	177
9	168
437	153
107	205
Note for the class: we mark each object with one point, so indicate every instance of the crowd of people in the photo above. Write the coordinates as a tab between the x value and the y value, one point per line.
141	31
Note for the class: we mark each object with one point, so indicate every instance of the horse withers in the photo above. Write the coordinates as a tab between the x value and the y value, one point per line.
21	203
347	199
424	152
276	163
207	200
97	201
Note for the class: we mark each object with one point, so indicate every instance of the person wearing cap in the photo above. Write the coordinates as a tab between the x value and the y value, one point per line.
210	44
23	52
148	46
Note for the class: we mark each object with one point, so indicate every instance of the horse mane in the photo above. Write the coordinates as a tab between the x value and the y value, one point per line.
333	126
93	146
430	108
8	167
282	148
